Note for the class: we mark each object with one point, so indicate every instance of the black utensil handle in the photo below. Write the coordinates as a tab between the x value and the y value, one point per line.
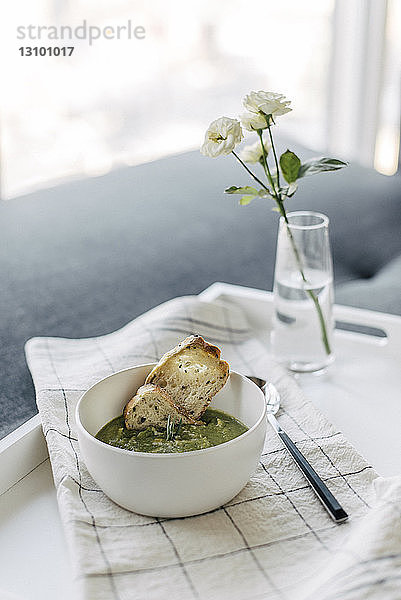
332	505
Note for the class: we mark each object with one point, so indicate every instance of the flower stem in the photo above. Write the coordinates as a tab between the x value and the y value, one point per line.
250	172
265	164
310	293
274	153
280	203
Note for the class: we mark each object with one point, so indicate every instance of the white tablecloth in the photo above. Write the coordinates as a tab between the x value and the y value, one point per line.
274	540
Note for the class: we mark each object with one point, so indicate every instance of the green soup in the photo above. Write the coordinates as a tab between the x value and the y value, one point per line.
217	427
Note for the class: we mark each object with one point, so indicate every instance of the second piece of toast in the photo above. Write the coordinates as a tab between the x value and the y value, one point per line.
152	406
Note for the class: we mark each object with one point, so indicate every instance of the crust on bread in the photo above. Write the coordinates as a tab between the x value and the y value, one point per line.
197	399
192	341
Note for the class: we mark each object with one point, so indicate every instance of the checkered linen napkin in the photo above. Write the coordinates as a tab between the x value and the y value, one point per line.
272	541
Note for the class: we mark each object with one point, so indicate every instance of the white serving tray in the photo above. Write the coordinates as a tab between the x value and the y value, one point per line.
360	395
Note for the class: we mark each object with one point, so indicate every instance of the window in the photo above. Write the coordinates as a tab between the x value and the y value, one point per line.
121	102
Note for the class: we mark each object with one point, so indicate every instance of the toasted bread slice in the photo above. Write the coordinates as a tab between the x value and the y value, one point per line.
191	373
151	406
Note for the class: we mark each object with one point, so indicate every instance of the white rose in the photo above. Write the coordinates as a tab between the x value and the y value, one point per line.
253	152
221	137
268	103
252	121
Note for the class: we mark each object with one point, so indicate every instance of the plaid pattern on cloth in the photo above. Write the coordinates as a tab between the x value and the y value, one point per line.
272	541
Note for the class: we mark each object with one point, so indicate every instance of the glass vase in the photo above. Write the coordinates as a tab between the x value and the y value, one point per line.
302	334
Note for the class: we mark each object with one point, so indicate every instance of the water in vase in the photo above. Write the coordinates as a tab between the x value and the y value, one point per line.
297	335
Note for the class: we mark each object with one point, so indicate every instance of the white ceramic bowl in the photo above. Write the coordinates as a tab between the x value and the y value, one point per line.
170	485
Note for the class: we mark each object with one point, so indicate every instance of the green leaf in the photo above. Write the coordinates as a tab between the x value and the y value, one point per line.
241	190
264	193
245	200
318	165
290	164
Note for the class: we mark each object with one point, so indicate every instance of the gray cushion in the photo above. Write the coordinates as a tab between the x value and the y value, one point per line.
83	258
382	292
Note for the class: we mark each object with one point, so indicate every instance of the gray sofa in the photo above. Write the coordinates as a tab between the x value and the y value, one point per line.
83	258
